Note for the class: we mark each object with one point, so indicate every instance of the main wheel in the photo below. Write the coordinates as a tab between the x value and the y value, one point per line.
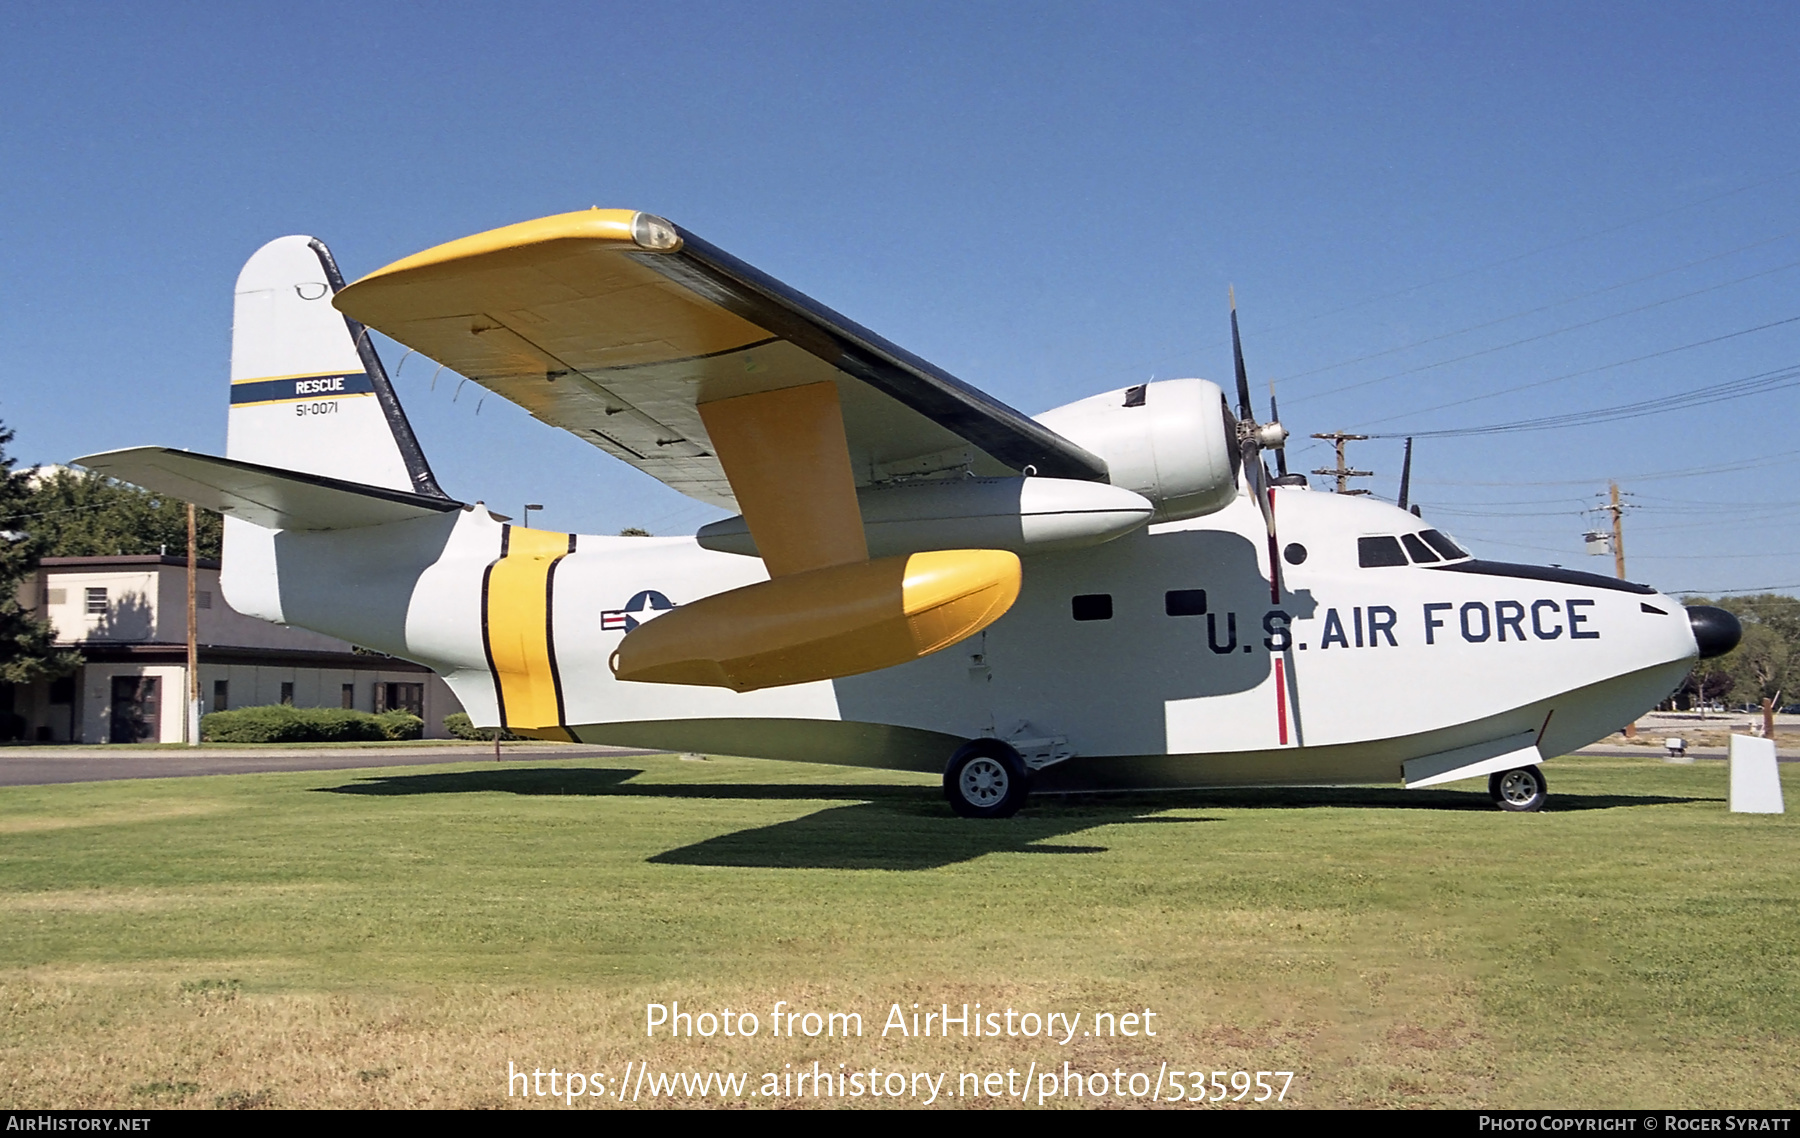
1521	789
986	779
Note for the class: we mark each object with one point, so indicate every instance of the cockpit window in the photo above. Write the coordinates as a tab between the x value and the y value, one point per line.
1377	552
1420	554
1443	545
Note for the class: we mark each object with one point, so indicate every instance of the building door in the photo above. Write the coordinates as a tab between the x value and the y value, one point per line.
400	697
136	709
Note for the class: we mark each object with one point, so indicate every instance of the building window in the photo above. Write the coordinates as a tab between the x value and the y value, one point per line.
349	697
202	599
221	695
96	602
1092	606
287	693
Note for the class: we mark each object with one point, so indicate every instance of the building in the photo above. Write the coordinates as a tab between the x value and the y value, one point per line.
128	617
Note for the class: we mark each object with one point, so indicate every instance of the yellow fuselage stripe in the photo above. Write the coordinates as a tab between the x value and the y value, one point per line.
517	610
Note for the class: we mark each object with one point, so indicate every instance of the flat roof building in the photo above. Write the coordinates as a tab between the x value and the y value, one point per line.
127	615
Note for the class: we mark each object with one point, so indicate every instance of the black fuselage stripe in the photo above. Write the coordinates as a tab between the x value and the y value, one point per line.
487	644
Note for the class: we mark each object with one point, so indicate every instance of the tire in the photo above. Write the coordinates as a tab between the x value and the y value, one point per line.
1522	789
985	778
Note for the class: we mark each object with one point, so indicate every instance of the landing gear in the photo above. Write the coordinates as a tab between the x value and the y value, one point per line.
986	779
1521	789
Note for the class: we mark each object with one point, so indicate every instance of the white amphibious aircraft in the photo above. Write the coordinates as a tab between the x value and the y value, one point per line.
919	577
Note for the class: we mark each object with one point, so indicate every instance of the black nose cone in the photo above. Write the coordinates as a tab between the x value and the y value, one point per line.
1715	630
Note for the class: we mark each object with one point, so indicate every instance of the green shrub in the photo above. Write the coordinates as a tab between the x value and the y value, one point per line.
400	725
279	723
460	727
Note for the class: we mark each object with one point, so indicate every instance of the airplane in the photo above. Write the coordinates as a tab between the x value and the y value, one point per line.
1115	594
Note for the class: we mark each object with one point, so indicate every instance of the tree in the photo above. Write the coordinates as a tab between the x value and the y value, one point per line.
75	514
26	649
1758	665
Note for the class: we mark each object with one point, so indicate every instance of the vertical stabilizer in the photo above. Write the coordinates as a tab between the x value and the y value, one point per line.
308	392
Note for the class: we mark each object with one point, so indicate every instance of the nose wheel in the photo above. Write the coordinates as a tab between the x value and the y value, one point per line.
1522	789
985	778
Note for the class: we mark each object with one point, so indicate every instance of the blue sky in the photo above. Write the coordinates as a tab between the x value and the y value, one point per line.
1045	200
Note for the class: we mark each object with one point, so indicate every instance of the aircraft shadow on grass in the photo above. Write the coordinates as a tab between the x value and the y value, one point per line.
910	827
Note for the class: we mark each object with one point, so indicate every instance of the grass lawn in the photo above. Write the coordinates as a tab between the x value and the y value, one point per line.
397	937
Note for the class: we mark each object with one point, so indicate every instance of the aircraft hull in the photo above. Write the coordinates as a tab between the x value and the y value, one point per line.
1187	675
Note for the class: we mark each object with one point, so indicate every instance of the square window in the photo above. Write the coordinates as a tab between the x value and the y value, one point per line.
96	602
1092	606
1378	552
1185	602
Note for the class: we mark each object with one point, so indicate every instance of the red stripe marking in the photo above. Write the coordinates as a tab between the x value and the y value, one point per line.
1281	699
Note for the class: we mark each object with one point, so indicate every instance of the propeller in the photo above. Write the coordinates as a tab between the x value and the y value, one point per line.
1253	439
1275	417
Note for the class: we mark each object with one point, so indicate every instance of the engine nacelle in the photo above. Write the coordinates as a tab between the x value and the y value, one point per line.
1173	441
1023	515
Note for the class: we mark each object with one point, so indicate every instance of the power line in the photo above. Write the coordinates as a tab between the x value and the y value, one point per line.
1775	459
1530	312
1774	380
1550	248
1577	374
1542	335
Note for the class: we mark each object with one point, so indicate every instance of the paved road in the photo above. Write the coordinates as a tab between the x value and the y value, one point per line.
40	766
1784	755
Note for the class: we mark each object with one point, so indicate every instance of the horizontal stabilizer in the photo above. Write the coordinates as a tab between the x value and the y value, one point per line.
271	498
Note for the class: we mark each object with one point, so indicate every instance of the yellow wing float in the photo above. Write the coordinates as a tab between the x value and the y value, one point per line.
724	383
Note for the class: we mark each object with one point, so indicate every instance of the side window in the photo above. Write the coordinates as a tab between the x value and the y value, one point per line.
1443	545
1378	552
1420	554
1185	602
1092	606
96	602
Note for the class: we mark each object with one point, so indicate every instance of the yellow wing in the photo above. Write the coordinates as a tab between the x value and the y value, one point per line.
619	326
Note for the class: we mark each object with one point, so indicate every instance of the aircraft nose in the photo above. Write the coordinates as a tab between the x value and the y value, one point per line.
1715	630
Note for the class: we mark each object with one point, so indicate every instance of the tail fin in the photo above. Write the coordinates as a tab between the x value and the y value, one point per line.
308	392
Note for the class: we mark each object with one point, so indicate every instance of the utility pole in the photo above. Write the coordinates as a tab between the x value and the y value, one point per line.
1617	510
1618	520
1341	472
193	640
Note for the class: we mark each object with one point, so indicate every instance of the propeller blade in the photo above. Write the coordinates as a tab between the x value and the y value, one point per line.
1259	482
1237	355
1275	417
1259	486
